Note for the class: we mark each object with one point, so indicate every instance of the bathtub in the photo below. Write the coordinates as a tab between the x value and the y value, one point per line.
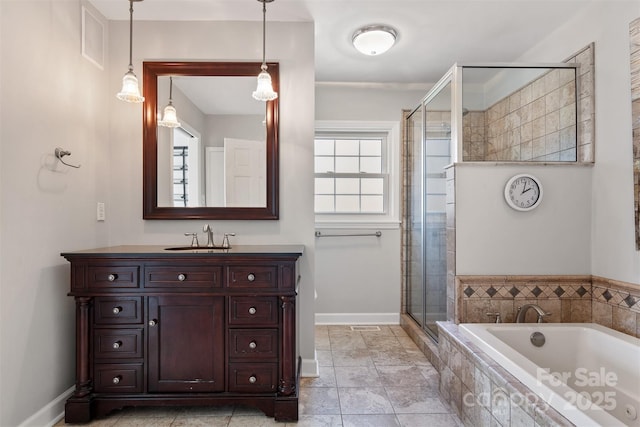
587	372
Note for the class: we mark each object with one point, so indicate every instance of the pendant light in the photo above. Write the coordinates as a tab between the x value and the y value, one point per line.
264	91
169	118
130	91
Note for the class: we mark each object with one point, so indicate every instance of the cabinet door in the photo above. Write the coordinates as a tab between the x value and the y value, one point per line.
186	344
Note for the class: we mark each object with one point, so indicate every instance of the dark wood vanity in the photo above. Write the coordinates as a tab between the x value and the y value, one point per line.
185	328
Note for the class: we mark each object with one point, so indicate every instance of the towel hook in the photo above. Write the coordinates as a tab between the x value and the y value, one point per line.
60	153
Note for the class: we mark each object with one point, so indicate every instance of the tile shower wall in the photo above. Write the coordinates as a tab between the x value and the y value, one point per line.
537	122
568	298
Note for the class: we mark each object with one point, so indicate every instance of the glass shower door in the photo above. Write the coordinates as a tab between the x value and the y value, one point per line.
428	147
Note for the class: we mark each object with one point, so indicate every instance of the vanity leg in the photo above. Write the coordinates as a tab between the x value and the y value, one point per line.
288	381
78	407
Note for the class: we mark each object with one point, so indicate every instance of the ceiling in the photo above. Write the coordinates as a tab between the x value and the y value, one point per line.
433	34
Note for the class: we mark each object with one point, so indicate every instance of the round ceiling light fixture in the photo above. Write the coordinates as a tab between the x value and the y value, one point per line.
374	39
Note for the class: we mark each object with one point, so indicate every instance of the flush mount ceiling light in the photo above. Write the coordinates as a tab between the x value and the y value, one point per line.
130	91
374	39
169	117
264	91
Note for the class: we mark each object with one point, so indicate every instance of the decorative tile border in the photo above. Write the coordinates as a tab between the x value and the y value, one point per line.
596	299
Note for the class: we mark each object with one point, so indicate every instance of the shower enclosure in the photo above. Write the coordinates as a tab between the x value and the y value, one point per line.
477	113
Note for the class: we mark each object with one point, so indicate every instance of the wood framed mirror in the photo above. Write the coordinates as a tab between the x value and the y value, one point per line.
222	161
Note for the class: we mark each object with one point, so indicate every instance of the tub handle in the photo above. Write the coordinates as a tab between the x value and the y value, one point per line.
496	315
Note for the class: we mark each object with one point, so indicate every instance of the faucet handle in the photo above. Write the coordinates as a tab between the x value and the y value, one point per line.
225	240
496	315
194	239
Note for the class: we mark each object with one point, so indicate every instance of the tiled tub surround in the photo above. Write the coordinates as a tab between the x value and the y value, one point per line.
483	393
569	299
534	123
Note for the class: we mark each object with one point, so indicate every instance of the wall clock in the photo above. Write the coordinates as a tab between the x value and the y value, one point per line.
523	192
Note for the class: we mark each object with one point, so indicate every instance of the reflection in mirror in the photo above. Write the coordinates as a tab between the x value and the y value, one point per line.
519	114
221	162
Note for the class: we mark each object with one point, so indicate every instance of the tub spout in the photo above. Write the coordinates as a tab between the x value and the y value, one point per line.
522	312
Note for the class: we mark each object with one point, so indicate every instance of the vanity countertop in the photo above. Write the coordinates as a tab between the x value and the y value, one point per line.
161	250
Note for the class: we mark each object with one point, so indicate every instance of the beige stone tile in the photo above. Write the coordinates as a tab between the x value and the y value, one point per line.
144	422
357	376
624	320
327	378
402	376
202	421
325	357
359	357
317	421
350	341
319	401
416	400
381	420
253	421
364	400
431	420
602	313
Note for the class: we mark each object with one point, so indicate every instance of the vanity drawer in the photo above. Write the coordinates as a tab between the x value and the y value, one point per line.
257	276
253	377
183	277
125	310
253	344
118	378
117	343
113	276
253	311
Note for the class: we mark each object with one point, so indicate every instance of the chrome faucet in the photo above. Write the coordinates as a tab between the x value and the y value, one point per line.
522	312
207	229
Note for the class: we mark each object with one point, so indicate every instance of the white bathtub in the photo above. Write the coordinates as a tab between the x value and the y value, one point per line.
594	362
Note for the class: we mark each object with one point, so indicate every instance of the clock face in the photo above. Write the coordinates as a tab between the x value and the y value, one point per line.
523	192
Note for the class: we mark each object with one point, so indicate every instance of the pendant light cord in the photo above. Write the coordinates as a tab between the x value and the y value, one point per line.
131	35
264	33
170	89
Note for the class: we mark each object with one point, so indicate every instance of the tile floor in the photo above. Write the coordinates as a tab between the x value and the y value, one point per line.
372	378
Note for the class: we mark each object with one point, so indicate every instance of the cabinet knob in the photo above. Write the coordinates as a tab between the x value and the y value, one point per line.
117	344
252	379
251	277
252	345
153	322
116	380
181	277
112	277
252	310
117	310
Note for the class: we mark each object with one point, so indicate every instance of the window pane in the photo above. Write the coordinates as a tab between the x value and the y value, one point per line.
347	165
324	185
371	147
347	204
371	164
437	164
324	147
347	147
373	204
347	186
324	164
372	186
324	204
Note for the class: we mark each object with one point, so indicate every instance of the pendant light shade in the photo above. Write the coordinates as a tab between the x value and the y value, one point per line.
169	117
130	90
264	91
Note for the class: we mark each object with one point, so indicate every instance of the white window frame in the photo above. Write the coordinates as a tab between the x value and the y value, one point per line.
390	219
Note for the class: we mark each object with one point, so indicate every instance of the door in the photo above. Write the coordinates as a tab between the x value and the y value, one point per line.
186	344
245	169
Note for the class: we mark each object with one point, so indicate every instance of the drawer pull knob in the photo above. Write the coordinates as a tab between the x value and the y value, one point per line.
116	380
117	344
117	310
252	345
112	277
251	277
181	277
252	379
153	322
252	310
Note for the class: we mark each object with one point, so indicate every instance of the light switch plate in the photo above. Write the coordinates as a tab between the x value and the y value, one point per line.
100	212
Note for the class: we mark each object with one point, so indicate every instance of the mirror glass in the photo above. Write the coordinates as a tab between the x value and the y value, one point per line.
521	114
221	162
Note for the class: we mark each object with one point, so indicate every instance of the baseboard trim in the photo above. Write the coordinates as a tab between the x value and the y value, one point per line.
309	368
357	318
51	413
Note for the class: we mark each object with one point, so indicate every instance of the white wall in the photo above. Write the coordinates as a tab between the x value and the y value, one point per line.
290	44
50	96
358	279
613	253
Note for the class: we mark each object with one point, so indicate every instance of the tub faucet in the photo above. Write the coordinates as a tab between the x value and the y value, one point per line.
207	229
522	312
